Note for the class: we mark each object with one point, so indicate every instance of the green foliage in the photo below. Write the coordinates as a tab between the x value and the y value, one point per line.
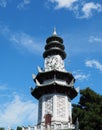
88	110
19	128
2	128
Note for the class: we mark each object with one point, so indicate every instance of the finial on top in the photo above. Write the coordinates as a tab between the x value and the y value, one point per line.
54	32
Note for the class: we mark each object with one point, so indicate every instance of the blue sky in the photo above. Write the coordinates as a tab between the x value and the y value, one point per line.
24	27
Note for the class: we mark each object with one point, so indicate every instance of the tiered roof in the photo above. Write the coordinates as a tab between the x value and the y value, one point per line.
54	81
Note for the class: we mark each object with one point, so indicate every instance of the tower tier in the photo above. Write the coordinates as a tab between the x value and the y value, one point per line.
54	88
54	46
53	75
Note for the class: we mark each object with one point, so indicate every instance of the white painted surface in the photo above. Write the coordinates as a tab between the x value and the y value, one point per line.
54	62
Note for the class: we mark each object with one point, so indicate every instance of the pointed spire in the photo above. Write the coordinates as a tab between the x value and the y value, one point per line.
39	69
54	32
33	76
31	89
77	89
37	82
72	82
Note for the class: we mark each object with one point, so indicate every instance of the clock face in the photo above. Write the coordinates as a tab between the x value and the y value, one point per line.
54	62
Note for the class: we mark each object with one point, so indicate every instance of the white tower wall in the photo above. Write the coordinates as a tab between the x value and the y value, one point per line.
59	106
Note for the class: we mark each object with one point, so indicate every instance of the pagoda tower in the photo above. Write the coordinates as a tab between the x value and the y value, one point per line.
54	88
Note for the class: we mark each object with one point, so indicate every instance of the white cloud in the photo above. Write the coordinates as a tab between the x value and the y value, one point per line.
21	40
23	4
3	3
81	9
20	5
63	3
88	9
3	86
95	39
25	41
81	76
17	112
26	1
78	74
5	31
94	64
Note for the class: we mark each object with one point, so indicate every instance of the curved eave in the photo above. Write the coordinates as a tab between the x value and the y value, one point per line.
54	44
54	51
55	82
54	38
54	88
46	75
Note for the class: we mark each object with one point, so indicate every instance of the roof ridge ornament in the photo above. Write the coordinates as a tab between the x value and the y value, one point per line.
54	31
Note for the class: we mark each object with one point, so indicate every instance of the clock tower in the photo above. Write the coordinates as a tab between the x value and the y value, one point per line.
54	88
